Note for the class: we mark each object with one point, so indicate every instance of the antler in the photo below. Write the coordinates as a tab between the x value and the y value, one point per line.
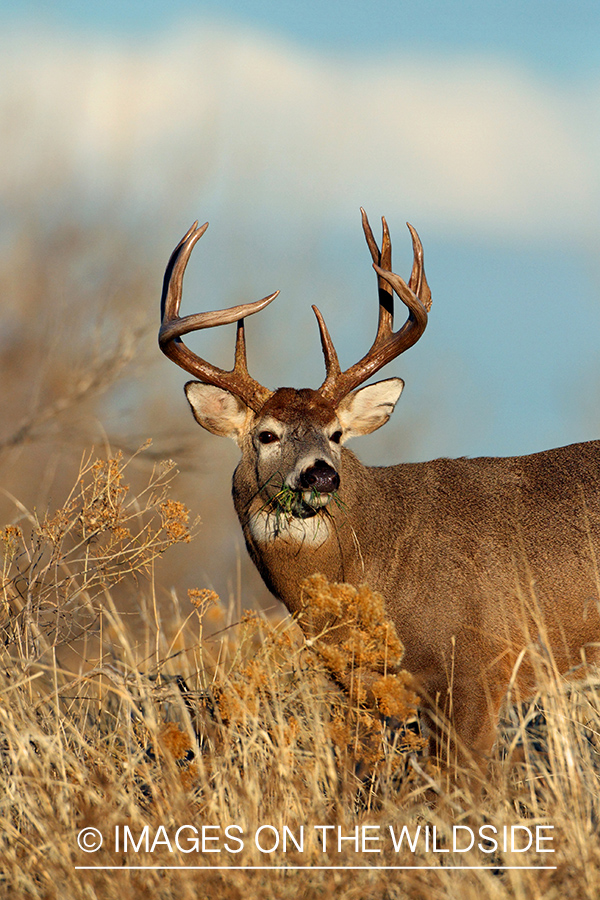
387	344
173	327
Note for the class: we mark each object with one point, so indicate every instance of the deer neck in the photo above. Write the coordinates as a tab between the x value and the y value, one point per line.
286	548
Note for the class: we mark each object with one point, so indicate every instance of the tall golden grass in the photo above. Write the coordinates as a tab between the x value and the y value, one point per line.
194	727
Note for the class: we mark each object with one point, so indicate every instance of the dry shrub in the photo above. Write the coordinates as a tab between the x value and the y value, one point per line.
274	705
56	572
359	648
358	640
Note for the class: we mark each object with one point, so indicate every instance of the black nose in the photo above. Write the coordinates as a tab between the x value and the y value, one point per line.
320	477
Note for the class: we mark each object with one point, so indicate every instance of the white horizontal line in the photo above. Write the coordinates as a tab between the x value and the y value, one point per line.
313	868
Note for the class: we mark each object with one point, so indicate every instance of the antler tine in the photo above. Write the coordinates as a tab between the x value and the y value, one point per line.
332	363
388	344
172	282
382	258
418	282
173	327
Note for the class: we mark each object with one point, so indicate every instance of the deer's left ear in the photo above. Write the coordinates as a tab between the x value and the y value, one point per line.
367	409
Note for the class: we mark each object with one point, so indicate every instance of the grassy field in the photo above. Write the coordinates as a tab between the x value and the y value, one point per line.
214	756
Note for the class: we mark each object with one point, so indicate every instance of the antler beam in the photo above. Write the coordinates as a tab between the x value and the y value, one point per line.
173	327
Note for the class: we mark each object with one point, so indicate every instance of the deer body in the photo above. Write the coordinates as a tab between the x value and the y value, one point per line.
469	555
475	558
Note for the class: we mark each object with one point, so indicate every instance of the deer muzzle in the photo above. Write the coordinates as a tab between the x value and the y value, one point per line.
308	489
319	479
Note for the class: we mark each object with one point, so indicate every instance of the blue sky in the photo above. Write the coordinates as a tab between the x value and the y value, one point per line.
479	122
553	36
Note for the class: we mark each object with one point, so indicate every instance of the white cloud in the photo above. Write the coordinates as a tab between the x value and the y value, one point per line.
471	144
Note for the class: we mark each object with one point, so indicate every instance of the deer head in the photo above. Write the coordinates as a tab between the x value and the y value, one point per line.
295	436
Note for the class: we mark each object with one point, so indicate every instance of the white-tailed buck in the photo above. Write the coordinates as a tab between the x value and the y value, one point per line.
470	555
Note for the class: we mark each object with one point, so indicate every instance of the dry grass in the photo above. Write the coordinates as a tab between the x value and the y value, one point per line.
232	729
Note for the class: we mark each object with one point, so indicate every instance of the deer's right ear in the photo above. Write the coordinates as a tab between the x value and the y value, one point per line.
218	410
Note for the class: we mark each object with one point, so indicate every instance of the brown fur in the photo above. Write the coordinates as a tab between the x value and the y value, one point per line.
290	406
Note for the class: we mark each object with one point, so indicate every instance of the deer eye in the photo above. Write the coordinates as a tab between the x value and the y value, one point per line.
336	437
267	437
